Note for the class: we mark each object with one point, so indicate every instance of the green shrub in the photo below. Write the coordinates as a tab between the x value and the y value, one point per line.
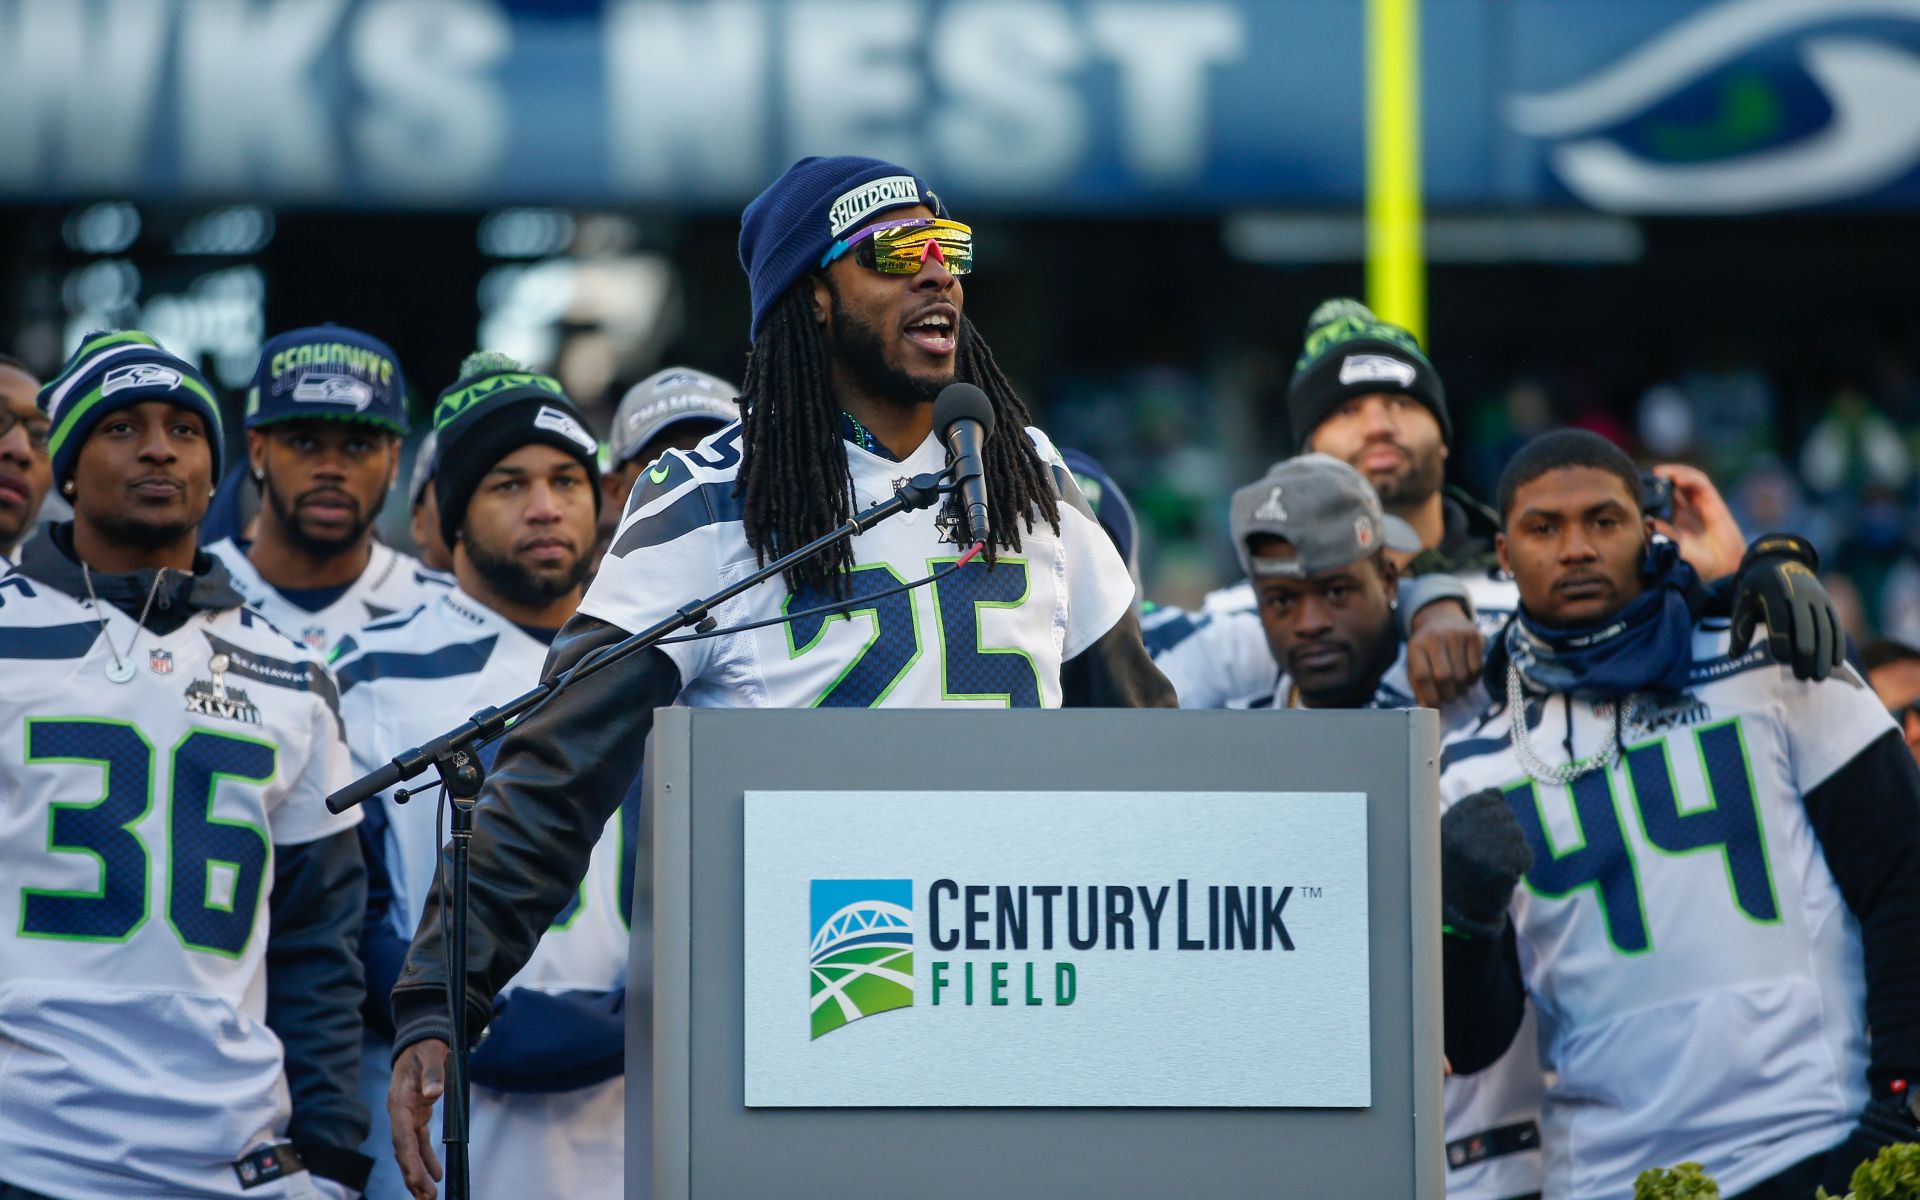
1894	1174
1684	1182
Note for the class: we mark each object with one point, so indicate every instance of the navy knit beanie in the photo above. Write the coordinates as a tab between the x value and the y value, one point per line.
115	370
789	228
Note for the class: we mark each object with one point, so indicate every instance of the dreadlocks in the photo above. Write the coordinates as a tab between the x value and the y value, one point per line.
794	481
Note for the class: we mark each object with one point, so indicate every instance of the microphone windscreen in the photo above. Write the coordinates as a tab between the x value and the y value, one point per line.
963	402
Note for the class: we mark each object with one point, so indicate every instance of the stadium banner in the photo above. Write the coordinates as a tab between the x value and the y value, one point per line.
1642	106
1012	949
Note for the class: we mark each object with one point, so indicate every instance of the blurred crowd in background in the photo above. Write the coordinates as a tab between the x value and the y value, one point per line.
1162	190
1817	433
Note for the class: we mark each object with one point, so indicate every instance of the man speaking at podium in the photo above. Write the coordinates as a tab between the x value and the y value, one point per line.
855	270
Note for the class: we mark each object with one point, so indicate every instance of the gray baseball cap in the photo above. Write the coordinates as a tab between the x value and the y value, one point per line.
1324	509
663	400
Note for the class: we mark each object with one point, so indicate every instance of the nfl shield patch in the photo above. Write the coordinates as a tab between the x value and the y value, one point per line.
161	661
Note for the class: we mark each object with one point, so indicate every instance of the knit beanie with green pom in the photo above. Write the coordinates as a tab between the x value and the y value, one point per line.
496	407
1350	352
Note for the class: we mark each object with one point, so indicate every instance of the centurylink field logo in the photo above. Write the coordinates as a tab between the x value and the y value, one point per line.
861	957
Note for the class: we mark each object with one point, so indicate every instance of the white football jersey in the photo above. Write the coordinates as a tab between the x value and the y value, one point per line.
1695	969
403	681
138	823
978	637
1218	657
393	583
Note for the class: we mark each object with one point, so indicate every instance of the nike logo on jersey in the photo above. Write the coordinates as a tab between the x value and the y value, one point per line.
659	474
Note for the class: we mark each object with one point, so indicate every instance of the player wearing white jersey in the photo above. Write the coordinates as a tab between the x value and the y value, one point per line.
1722	898
179	991
857	325
1364	392
1316	544
549	1094
325	416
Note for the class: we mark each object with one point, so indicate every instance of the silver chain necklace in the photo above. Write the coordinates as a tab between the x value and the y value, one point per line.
1565	773
121	669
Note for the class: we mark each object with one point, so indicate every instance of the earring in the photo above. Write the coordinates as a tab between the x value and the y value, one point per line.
259	475
67	488
211	490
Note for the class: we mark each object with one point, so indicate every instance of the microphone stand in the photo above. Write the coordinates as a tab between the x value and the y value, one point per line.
455	757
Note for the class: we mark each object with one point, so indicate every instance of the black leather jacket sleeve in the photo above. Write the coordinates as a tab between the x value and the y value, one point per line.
561	772
1116	672
1483	999
314	990
1867	817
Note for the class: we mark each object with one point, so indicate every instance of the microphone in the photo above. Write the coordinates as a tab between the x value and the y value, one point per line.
964	416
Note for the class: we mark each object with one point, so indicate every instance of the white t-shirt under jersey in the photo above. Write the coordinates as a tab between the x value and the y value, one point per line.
980	637
138	826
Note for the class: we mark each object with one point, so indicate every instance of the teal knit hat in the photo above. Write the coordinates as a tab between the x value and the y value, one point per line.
113	370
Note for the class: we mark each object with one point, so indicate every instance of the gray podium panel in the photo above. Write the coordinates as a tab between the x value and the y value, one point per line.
706	1142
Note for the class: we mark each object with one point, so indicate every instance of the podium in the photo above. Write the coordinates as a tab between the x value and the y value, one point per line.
965	953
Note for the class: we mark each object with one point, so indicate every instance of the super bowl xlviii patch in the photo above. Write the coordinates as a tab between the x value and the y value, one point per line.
213	698
1669	711
946	523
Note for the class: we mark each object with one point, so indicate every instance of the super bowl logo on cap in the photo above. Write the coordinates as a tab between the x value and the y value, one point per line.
140	375
1271	509
1376	368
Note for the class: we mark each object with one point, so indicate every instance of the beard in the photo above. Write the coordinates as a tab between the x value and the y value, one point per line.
861	347
1415	483
287	511
519	583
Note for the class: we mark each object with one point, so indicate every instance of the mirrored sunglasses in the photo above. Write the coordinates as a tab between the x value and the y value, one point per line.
903	247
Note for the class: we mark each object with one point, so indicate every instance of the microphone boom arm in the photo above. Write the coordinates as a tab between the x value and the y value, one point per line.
489	723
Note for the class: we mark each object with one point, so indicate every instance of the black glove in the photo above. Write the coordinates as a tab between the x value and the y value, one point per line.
1483	854
1886	1122
1778	587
